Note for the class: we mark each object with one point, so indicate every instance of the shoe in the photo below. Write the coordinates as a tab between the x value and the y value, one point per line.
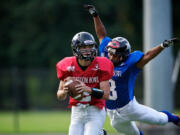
177	123
105	132
102	132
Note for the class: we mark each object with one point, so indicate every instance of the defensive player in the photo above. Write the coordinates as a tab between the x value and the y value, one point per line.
122	107
88	114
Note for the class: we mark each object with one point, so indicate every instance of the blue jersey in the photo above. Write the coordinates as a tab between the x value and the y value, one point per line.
123	80
102	46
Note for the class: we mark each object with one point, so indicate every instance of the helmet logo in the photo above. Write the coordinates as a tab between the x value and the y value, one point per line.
114	44
88	42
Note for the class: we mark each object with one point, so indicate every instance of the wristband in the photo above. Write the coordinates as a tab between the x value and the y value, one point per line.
162	46
97	93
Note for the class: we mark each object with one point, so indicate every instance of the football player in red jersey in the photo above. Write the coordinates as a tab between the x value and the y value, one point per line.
87	114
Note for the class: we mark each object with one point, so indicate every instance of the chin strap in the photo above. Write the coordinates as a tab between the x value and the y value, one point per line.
86	58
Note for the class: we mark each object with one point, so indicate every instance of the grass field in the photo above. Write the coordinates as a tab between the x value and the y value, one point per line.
40	122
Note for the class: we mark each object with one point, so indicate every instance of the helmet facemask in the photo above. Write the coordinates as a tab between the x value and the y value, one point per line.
119	48
86	53
120	56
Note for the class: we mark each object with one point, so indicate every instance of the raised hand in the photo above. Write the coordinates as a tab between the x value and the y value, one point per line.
169	42
92	10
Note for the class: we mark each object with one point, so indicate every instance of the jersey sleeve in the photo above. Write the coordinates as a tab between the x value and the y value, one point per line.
61	68
135	57
106	69
102	45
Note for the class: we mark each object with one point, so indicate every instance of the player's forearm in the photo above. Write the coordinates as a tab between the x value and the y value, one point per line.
99	28
153	52
149	56
61	95
104	85
156	50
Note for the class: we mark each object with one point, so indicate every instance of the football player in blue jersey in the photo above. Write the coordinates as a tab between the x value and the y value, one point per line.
122	107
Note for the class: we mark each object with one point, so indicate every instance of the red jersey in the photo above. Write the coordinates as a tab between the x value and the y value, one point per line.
100	69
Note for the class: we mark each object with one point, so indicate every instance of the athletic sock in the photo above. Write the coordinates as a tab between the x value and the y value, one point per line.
141	133
171	117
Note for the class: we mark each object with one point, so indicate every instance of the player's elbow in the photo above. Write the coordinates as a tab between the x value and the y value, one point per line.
150	55
146	58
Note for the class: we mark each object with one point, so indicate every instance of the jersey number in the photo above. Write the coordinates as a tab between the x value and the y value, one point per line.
113	92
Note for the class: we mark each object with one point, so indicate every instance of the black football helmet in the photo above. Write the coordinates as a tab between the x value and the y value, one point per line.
119	46
83	39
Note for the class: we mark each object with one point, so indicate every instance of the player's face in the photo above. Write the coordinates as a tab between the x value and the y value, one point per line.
115	58
86	50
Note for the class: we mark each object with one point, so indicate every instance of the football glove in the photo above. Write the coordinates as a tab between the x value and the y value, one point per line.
92	10
169	42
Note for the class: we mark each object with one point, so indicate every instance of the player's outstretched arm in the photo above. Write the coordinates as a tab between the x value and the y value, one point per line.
62	91
99	26
155	51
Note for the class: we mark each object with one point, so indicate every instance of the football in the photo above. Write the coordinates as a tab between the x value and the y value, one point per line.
71	82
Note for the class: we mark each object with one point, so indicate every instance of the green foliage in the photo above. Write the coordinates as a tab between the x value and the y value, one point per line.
38	33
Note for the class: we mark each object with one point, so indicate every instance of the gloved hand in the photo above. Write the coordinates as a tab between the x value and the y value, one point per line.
169	42
92	10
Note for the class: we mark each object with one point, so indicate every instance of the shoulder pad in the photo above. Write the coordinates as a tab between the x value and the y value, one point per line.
134	57
106	68
64	67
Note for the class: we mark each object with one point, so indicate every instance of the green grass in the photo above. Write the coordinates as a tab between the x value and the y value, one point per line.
40	122
35	122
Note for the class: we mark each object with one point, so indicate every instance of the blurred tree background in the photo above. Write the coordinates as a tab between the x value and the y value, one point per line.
36	34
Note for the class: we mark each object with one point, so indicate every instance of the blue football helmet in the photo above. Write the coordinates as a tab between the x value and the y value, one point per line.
119	46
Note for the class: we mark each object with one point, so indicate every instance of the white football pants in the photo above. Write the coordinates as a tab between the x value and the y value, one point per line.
86	120
122	119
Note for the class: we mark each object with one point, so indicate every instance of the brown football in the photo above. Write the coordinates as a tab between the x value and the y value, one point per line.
71	82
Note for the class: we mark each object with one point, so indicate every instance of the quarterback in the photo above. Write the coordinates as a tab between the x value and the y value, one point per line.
88	113
122	107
